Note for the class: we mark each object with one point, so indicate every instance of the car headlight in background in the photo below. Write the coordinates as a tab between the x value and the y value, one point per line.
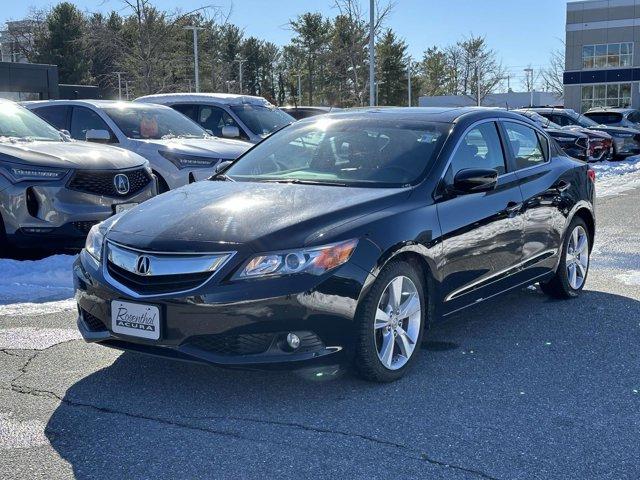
94	242
21	173
316	260
189	161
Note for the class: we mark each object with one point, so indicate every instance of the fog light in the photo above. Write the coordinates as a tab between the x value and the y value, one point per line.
293	341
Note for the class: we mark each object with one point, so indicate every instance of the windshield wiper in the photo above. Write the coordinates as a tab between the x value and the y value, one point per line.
298	181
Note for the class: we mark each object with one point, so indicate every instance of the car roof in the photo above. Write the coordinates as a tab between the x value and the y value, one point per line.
89	102
610	109
432	114
311	107
224	98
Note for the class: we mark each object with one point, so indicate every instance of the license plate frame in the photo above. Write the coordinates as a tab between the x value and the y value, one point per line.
139	320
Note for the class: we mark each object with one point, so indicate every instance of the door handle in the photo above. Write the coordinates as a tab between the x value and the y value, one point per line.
563	185
513	207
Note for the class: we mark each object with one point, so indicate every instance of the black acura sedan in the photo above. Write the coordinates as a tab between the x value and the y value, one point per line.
341	237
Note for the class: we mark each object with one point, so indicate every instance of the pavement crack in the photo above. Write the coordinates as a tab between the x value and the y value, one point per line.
420	455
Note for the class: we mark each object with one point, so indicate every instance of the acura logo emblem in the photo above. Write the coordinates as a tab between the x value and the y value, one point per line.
121	182
143	265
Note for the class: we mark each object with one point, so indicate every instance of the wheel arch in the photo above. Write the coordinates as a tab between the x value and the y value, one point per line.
587	216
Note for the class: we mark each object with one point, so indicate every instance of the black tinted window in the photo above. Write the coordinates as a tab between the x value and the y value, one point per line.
605	118
480	148
56	116
83	119
214	118
189	110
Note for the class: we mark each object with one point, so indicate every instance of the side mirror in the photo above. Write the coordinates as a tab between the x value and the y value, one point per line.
222	166
230	131
474	180
99	136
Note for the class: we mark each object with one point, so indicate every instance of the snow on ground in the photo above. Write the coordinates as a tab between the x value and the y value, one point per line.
29	286
632	277
614	178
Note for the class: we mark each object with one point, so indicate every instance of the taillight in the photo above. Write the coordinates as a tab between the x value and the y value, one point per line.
592	175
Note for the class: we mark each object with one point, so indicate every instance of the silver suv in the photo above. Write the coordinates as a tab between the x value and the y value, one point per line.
228	115
53	189
179	150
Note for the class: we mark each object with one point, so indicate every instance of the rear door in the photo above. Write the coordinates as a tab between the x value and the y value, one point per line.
529	154
482	232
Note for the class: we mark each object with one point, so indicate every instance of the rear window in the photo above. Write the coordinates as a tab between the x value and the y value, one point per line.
605	118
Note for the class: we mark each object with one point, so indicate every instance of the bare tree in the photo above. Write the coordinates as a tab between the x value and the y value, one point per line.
553	74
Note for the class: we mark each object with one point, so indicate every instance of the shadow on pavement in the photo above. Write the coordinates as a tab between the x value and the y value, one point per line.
523	387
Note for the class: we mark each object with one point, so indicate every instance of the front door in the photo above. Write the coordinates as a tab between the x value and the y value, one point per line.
482	232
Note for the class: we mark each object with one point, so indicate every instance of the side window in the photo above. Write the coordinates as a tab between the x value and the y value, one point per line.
83	119
561	120
187	109
214	118
55	116
525	145
480	148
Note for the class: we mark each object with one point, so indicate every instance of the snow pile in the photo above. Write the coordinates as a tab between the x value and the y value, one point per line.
35	281
614	178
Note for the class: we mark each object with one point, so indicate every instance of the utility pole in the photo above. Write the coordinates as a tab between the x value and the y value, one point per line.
299	75
409	80
195	53
529	73
126	89
240	62
119	74
372	64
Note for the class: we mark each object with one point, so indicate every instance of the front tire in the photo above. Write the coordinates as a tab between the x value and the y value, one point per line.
391	323
573	269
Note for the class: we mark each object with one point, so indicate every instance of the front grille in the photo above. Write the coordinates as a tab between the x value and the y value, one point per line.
92	322
85	226
102	183
245	344
157	284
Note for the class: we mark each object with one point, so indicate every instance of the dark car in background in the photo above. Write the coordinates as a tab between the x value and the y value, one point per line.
626	141
617	117
341	238
53	189
301	112
576	141
573	143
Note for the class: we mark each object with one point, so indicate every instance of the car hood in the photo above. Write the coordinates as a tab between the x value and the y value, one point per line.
246	215
615	131
587	131
203	147
88	156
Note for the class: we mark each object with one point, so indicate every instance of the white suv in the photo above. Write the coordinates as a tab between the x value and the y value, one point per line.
226	115
179	150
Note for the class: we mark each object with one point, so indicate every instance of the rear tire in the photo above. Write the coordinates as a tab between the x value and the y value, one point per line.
390	323
573	268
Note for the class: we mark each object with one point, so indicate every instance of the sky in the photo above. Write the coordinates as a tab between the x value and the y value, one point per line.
522	32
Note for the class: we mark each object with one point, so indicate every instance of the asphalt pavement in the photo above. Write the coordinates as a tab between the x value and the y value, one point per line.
523	387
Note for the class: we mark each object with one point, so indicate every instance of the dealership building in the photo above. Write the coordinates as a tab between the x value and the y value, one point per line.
602	54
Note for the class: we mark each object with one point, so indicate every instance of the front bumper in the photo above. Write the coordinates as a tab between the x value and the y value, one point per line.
52	215
233	323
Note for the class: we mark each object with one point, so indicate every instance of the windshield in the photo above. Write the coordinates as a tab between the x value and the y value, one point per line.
365	152
17	122
260	119
152	122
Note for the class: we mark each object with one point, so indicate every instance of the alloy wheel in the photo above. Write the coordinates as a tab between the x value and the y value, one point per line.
397	322
577	257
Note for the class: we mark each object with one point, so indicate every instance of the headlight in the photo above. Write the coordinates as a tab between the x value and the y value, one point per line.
189	161
94	242
21	173
316	260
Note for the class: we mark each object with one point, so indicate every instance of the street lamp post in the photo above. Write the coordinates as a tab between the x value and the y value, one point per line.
476	62
240	62
195	53
372	65
409	80
529	73
119	74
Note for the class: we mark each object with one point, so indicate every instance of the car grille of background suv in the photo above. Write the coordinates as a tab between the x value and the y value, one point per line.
101	182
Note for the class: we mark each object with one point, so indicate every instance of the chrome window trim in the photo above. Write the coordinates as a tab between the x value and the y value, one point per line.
133	294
